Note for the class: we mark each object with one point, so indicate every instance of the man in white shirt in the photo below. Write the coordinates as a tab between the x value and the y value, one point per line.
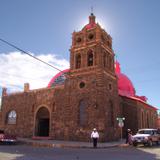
94	136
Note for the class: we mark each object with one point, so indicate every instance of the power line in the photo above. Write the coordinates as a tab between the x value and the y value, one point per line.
8	43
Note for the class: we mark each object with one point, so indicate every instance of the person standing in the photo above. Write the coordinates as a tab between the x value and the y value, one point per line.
94	136
128	136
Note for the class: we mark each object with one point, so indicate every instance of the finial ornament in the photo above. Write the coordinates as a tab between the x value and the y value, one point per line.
92	17
91	9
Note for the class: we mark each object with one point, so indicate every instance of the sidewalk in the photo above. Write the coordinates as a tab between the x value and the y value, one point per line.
69	144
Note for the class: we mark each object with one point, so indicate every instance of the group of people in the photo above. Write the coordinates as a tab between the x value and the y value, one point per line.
95	136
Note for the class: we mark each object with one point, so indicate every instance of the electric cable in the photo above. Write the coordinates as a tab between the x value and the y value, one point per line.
21	50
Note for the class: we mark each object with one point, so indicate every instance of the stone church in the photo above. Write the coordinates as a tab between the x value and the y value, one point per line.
93	93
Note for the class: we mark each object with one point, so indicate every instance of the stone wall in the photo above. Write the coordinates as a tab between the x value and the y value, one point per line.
132	110
63	106
25	104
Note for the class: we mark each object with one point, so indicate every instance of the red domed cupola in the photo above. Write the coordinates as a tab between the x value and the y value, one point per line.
125	86
92	22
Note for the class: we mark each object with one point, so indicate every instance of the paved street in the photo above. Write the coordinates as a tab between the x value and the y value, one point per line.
24	152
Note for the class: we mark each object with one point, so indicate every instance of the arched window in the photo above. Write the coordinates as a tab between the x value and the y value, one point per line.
82	113
90	58
142	119
104	59
109	62
12	117
151	119
78	61
148	124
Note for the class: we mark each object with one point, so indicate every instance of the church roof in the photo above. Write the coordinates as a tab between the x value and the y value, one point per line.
140	100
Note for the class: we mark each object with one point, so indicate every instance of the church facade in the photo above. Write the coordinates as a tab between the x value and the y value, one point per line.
93	93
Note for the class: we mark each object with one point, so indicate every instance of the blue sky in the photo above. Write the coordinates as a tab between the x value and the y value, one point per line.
44	28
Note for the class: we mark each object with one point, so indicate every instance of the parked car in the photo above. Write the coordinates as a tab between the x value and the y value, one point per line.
7	139
146	137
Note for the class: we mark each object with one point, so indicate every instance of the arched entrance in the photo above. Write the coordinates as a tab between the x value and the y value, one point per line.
42	122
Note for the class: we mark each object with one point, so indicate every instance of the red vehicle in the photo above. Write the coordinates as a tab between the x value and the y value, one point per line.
9	139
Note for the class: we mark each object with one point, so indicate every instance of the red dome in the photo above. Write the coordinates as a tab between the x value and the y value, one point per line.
125	86
58	79
89	26
91	23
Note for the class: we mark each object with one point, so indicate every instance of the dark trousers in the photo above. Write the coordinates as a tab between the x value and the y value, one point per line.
94	142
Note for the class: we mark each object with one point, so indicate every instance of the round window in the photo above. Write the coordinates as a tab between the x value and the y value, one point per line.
90	36
78	39
82	85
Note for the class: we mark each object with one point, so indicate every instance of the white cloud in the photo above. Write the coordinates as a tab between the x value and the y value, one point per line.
17	68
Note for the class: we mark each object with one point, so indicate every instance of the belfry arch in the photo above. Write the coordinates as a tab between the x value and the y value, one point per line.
90	58
42	121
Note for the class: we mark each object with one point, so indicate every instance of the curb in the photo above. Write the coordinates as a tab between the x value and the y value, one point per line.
53	145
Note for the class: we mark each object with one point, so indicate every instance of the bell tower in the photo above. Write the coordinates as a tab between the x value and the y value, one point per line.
92	48
91	52
92	80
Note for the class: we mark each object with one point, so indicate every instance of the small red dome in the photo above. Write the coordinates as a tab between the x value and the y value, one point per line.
125	86
91	23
